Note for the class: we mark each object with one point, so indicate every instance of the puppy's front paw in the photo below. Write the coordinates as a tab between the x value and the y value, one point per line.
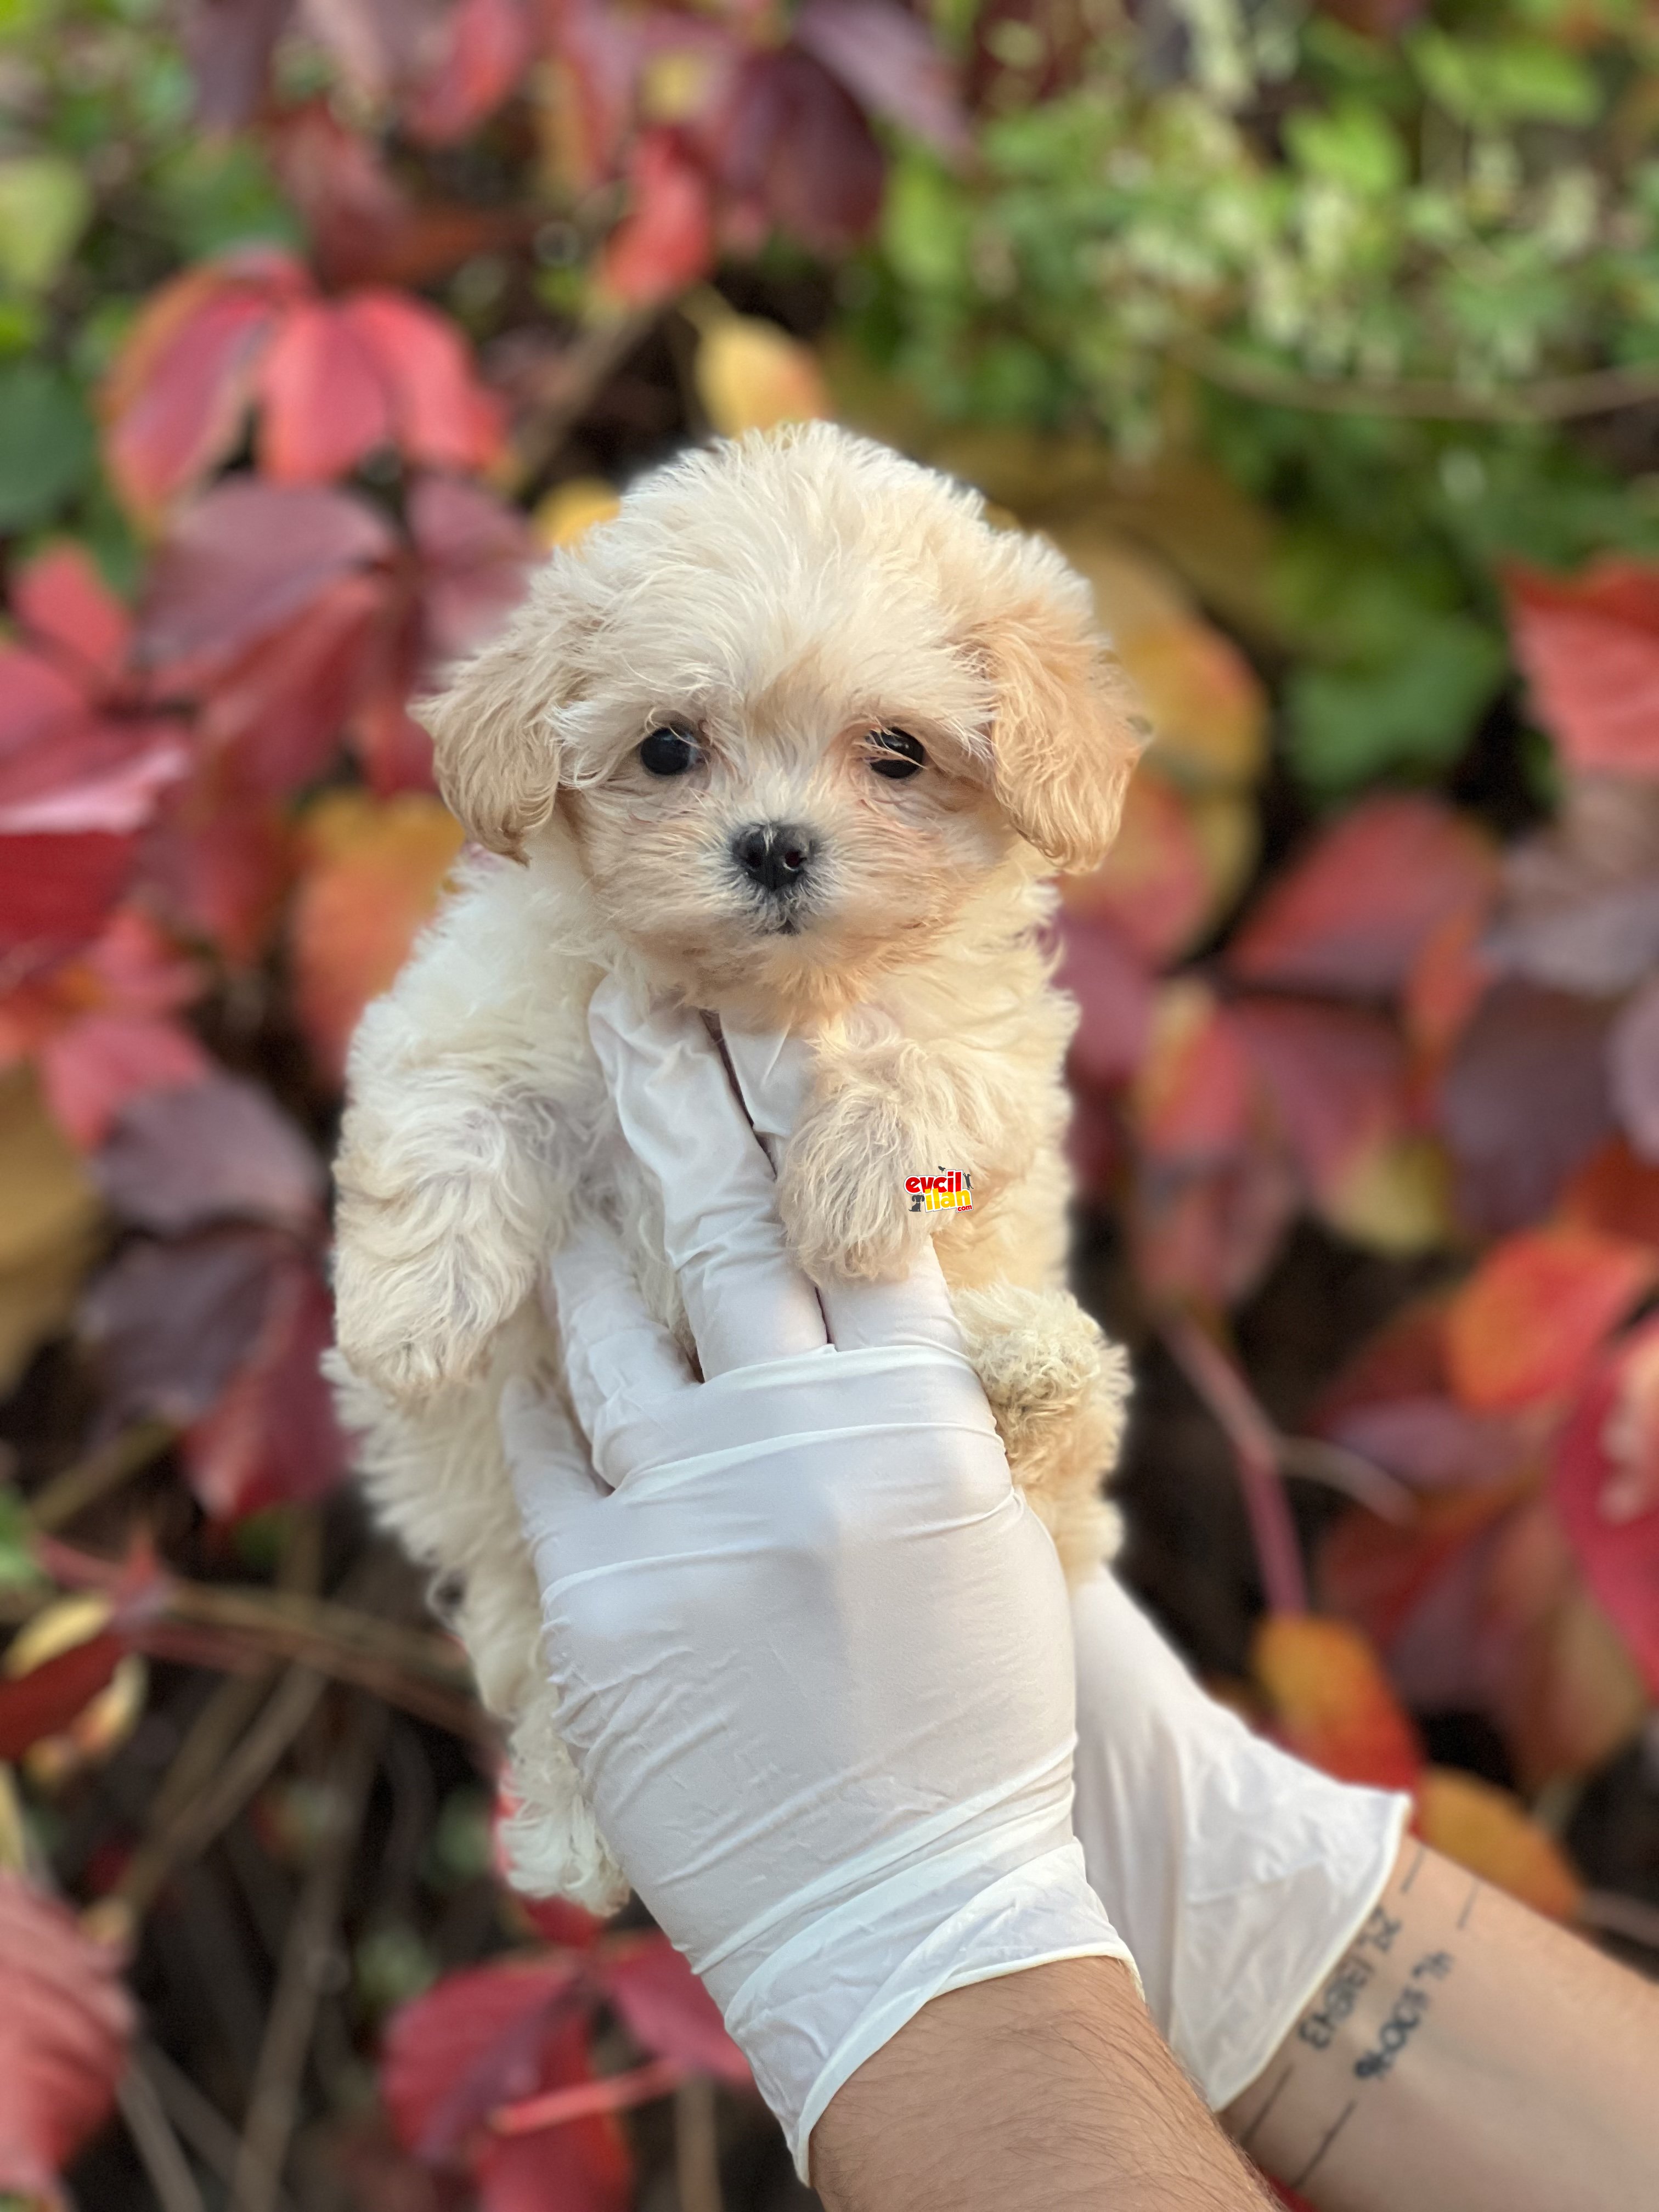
841	1192
1057	1387
418	1321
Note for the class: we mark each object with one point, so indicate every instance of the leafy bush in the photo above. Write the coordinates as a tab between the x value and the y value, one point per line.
1327	345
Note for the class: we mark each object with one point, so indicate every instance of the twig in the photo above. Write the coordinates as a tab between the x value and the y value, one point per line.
612	2092
1316	1459
697	2147
99	1472
274	2103
188	1830
1611	1914
157	2146
1255	1445
199	2121
1549	399
574	377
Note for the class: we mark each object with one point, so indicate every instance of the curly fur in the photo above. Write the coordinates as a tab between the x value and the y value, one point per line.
784	598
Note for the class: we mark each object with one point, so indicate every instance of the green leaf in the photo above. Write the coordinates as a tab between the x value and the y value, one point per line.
217	194
924	227
45	203
47	447
1414	713
17	1568
1487	83
1353	145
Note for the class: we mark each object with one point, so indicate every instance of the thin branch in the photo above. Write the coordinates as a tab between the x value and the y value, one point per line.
1548	399
157	2146
1316	1459
195	1821
570	383
1611	1914
612	2092
99	1472
313	1937
1255	1443
198	2120
697	2147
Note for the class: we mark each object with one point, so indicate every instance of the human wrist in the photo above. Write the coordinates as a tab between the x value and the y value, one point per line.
1047	2087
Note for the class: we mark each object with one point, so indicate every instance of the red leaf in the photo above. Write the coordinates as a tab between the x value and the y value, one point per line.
217	863
280	711
95	1067
582	2166
1208	1233
175	399
272	1438
1525	1325
244	559
889	61
63	2033
1335	1076
1354	914
1154	885
475	555
442	417
797	145
62	599
1589	645
44	1701
1633	1068
168	1324
1114	1000
481	2037
488	46
1616	1192
325	401
1194	1090
216	1149
1523	1102
55	891
1605	1483
666	2009
666	239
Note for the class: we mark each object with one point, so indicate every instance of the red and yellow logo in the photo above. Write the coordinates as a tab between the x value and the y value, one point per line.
933	1194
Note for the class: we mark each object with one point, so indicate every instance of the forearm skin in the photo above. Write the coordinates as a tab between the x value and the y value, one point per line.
1464	2055
1049	2088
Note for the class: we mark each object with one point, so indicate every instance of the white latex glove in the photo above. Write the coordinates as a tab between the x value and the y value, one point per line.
812	1650
1238	1875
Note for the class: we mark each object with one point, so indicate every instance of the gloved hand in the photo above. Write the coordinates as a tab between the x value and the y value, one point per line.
812	1650
1238	1875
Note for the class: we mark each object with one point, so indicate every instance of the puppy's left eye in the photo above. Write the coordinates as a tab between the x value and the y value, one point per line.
898	756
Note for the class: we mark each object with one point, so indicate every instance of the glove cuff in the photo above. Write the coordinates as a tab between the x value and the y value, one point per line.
835	1993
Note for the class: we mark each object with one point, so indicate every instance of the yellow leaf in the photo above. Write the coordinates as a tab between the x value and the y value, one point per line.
572	508
57	1629
1396	1198
101	1727
751	376
378	867
1489	1832
48	1223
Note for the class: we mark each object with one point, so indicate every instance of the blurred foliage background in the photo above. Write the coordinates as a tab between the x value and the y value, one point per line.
1325	339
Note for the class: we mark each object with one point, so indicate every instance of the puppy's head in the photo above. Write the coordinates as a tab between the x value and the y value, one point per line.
796	703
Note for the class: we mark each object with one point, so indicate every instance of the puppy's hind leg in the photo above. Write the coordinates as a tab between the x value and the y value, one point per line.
1059	1390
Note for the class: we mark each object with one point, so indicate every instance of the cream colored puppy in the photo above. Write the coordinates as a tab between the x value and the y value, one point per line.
797	735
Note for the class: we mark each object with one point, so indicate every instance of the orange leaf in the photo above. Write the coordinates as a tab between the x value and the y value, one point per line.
374	881
1331	1702
1589	645
1616	1192
1491	1832
1527	1323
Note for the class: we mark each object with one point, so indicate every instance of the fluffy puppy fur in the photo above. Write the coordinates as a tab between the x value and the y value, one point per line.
785	609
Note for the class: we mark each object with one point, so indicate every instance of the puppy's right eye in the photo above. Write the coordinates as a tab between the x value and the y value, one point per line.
668	752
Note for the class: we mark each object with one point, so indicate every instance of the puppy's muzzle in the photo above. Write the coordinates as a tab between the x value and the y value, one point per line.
774	856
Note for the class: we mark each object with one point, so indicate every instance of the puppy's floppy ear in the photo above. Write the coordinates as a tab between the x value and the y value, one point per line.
1067	728
495	727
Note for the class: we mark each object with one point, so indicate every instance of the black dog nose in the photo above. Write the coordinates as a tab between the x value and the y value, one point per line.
773	855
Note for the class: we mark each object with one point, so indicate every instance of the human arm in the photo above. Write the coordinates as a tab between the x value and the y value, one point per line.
1257	1895
1464	2055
